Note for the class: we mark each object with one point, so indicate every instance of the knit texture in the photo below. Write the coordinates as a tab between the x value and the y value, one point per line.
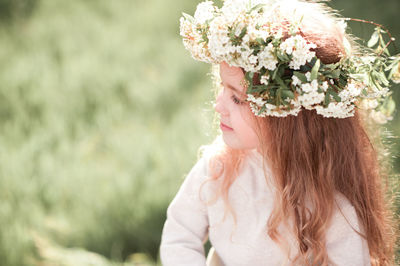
190	222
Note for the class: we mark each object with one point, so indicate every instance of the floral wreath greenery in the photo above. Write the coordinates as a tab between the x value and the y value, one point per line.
291	76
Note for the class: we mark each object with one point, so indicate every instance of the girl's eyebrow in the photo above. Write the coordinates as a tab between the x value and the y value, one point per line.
234	89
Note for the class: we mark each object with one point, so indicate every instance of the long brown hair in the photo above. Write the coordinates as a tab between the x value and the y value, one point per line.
312	158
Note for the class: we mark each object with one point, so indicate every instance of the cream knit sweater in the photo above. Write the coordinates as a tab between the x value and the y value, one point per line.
189	223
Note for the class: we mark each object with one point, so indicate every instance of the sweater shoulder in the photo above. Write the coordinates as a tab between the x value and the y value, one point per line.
345	214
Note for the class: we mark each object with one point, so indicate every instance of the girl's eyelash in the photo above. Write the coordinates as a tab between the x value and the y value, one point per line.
236	100
233	97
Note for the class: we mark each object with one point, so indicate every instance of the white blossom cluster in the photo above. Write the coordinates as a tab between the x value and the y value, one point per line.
242	34
219	24
344	108
199	51
336	109
396	74
311	96
267	58
351	92
380	117
204	11
376	115
256	103
368	104
300	49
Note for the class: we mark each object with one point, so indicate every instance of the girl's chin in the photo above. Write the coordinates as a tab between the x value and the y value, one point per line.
237	145
234	144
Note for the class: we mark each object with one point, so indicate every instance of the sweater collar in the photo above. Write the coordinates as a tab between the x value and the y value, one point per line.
255	156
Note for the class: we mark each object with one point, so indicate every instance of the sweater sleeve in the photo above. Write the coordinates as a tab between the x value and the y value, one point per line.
344	245
186	227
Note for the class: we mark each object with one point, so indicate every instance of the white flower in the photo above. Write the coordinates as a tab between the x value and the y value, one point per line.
253	33
300	49
396	75
308	76
325	86
264	79
253	59
342	24
246	60
259	101
351	92
296	81
232	9
369	104
377	93
339	110
354	89
191	36
267	59
287	47
310	87
204	12
218	43
271	110
379	117
308	100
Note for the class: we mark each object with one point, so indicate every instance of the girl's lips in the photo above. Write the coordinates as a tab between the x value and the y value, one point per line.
225	127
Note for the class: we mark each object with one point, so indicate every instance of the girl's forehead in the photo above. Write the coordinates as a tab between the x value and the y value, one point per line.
231	73
230	70
233	77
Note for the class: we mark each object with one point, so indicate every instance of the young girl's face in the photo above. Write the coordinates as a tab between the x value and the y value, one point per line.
236	125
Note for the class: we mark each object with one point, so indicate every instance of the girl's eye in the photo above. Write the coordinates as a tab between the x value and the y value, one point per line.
236	100
233	97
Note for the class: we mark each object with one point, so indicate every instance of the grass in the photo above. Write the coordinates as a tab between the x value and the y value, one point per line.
102	111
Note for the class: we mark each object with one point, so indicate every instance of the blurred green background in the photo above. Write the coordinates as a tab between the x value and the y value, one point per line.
102	111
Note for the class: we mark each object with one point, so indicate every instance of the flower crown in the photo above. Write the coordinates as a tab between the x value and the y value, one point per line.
244	34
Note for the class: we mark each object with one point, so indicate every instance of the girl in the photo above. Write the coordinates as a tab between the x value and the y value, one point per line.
294	178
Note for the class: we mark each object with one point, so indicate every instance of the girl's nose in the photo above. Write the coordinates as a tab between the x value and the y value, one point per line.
218	105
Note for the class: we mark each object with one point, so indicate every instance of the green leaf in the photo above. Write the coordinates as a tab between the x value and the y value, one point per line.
188	17
391	106
301	76
331	66
386	51
288	94
260	41
395	62
262	109
393	71
232	34
383	79
334	74
243	32
374	39
275	72
335	95
314	71
249	77
281	83
259	88
283	57
375	82
363	77
255	8
278	96
327	99
263	71
365	92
